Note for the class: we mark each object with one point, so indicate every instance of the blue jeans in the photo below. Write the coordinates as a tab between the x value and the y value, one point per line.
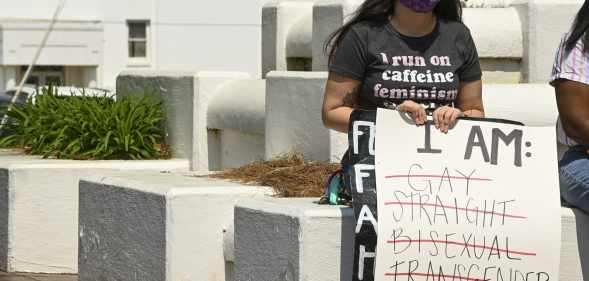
574	178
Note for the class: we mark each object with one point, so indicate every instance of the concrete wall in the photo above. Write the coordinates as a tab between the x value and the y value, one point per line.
233	148
176	90
43	9
70	43
544	22
295	239
178	28
40	203
497	32
293	114
286	32
156	227
186	35
531	104
224	120
236	121
305	242
499	40
183	35
215	119
515	42
293	104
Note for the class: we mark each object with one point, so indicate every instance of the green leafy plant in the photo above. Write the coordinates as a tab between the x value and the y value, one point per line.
87	127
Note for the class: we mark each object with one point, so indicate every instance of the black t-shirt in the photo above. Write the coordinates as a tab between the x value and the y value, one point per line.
393	67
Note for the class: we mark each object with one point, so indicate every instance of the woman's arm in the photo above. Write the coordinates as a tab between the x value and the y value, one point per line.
340	99
469	103
572	99
341	94
470	99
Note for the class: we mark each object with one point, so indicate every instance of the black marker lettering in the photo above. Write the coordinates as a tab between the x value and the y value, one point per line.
428	142
412	269
476	139
515	135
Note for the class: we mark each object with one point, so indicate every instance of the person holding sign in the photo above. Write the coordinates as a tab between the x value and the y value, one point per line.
570	77
415	56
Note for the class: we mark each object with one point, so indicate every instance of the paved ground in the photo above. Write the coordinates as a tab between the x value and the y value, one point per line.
36	277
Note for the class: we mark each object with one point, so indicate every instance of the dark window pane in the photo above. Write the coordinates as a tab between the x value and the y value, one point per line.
33	80
137	30
299	64
53	81
43	68
137	50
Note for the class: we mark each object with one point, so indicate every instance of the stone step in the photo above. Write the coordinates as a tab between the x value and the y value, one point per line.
39	209
156	227
296	239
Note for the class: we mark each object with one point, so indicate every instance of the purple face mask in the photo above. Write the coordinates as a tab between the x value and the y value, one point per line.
420	6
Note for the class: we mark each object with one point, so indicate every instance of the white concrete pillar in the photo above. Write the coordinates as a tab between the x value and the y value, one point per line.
293	114
186	97
544	23
279	20
206	86
176	89
293	239
236	129
328	15
156	227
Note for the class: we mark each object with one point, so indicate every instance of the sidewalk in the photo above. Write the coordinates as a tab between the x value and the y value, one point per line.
36	277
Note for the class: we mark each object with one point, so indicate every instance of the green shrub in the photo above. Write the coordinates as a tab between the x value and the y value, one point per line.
84	127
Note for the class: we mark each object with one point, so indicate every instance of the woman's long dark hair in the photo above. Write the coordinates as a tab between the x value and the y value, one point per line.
378	12
580	30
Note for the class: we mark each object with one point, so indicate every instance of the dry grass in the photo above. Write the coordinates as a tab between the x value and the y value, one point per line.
290	175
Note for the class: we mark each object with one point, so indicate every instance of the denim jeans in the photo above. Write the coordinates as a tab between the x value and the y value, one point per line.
574	178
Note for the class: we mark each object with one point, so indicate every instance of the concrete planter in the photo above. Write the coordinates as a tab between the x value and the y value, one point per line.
295	239
39	208
204	122
156	227
293	104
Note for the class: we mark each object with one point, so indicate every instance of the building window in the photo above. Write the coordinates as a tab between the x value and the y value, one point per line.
138	39
43	75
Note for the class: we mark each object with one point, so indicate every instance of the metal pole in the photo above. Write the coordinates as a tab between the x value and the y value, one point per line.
33	62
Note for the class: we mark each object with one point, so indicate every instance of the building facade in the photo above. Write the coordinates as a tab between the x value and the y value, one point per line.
93	41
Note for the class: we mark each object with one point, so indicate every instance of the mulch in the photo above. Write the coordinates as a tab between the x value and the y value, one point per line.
289	175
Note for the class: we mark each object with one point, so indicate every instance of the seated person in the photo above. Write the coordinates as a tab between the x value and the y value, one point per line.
570	77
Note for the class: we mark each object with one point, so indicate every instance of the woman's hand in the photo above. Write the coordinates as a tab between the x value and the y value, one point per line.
445	117
416	111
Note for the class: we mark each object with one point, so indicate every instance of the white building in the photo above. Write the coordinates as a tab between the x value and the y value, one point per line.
94	40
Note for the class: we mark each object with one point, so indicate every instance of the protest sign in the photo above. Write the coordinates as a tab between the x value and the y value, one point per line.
478	203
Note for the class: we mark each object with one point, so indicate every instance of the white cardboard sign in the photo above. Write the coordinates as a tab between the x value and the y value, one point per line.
478	203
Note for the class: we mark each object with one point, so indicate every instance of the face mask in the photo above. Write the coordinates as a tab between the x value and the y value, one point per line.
420	6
